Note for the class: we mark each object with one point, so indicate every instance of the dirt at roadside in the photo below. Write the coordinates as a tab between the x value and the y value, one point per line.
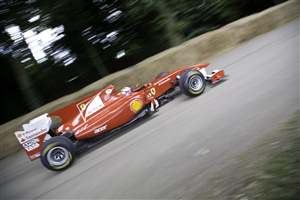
269	170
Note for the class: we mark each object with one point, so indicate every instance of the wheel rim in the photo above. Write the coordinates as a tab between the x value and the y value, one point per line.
195	83
58	156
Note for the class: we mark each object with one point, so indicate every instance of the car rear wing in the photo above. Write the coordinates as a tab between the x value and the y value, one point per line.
34	134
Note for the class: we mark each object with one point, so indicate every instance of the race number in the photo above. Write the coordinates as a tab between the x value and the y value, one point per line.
151	93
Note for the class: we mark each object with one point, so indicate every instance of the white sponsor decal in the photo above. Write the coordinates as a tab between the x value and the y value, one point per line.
163	81
31	145
82	129
24	136
76	121
94	106
34	128
100	129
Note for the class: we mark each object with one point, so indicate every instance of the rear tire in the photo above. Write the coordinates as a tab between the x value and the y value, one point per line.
192	83
58	153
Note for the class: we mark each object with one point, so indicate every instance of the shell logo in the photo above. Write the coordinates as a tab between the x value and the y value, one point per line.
136	105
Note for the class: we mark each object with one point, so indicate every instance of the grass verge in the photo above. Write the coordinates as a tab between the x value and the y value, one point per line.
269	170
280	174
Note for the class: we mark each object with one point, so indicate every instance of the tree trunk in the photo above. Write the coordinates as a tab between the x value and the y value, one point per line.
31	97
173	27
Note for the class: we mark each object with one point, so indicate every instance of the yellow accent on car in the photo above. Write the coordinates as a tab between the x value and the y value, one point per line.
82	106
136	105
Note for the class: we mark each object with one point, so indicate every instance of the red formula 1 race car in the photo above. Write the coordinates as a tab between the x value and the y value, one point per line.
106	110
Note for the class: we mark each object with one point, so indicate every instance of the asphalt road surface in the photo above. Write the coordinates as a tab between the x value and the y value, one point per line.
187	142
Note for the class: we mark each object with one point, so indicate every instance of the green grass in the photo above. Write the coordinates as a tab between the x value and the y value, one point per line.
280	174
268	170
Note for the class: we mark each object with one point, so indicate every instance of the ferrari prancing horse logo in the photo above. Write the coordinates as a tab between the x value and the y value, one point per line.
82	106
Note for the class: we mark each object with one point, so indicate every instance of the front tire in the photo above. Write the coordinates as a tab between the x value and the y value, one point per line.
192	83
58	153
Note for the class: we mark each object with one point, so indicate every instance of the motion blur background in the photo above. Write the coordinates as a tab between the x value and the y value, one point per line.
50	48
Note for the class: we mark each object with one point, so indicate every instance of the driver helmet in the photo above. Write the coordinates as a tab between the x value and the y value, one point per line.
126	91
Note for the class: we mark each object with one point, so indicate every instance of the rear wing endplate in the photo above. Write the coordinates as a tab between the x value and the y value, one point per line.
34	134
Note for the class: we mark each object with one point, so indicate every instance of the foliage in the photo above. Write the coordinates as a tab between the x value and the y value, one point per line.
104	35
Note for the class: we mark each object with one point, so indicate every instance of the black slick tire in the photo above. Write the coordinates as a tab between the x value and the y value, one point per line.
58	153
192	83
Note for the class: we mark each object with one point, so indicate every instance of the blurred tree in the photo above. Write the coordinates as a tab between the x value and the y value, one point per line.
130	31
205	15
98	37
14	13
75	16
12	99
